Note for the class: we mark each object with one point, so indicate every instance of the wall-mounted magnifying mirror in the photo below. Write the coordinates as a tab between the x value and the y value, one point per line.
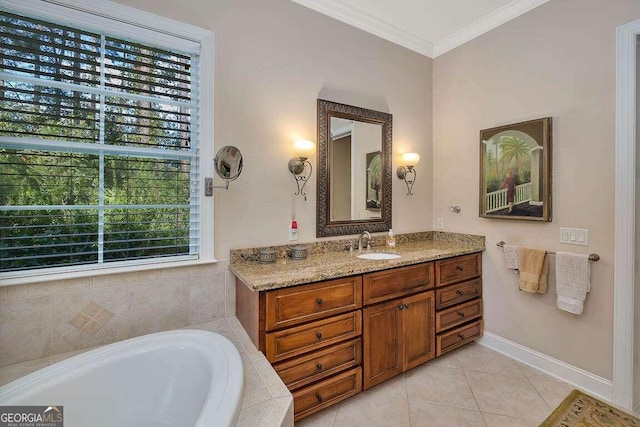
228	166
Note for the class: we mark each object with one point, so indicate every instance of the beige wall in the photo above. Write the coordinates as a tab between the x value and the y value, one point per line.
557	60
273	59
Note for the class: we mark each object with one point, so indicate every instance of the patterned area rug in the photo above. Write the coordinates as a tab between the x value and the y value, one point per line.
581	410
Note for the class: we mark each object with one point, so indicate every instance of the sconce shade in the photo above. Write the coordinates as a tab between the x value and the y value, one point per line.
410	159
304	148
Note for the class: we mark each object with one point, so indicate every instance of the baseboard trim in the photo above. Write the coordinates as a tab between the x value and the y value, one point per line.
596	386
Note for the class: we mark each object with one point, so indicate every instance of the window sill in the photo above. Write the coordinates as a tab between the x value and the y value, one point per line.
65	273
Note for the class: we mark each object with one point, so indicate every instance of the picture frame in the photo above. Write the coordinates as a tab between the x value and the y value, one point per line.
515	171
373	181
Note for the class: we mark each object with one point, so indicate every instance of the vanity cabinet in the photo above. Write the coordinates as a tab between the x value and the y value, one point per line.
311	334
458	301
398	335
328	340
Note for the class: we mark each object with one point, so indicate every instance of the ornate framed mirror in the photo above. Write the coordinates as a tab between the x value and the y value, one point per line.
354	170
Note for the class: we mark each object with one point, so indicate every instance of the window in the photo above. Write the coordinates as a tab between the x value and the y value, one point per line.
99	145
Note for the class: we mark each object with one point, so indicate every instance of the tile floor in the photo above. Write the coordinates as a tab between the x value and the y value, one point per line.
471	386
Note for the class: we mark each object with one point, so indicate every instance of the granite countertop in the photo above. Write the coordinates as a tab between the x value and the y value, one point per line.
330	260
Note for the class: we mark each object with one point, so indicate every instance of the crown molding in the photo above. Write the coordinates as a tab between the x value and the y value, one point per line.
370	24
486	23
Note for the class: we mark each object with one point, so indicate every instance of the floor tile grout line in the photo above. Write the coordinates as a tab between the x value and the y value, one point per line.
495	373
448	405
534	387
471	388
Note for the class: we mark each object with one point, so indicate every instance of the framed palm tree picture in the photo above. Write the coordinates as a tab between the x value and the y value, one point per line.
515	171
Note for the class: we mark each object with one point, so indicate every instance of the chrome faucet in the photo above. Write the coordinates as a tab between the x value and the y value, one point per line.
368	236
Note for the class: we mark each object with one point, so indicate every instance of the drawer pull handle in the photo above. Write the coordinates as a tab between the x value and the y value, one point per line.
319	367
461	336
320	399
319	335
460	292
460	314
319	301
459	267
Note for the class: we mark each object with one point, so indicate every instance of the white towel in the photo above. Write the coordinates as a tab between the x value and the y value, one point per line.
572	281
511	256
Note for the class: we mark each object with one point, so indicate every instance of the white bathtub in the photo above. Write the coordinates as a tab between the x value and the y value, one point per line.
176	378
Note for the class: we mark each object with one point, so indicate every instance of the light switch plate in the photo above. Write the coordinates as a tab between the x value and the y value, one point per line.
574	236
208	187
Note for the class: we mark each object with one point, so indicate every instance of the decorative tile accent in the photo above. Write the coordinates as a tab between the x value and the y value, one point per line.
91	318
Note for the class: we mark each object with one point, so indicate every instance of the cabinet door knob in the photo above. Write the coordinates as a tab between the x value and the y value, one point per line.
319	367
461	336
406	306
459	268
319	335
320	399
460	292
401	307
460	314
319	301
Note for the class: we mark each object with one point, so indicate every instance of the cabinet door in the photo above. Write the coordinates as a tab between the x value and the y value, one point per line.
418	329
382	347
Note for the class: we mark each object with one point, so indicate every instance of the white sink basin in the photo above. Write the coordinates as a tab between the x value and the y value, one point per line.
379	256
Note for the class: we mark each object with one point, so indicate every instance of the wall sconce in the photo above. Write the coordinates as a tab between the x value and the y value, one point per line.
407	170
299	166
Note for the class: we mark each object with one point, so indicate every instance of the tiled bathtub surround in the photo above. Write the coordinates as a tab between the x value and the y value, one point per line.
44	319
266	401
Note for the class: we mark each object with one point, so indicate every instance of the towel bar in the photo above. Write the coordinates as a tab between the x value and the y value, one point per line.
592	257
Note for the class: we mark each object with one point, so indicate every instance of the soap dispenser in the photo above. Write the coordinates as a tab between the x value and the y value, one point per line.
391	239
293	230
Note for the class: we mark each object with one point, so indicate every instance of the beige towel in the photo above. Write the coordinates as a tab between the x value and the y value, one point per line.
511	256
544	275
533	267
572	281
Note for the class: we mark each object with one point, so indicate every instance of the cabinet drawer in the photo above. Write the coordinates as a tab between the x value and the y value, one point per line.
299	304
455	294
309	368
388	284
457	269
311	399
294	341
458	315
457	337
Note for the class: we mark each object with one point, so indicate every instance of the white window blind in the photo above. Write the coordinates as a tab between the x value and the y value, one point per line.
98	148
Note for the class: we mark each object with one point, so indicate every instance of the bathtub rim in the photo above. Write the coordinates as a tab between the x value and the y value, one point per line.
216	405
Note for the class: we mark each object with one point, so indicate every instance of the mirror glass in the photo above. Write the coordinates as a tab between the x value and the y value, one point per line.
228	163
354	169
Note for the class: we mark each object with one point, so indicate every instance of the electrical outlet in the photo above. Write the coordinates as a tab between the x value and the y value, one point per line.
574	236
440	223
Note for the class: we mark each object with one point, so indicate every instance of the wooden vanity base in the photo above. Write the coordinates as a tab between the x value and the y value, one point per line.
329	340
